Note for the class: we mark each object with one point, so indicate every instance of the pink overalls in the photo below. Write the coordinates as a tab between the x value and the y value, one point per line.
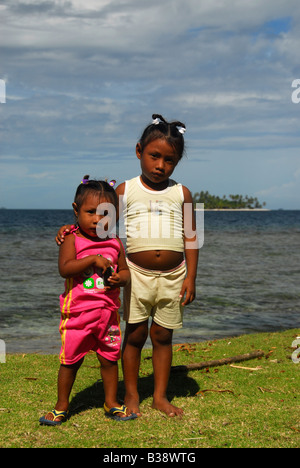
89	315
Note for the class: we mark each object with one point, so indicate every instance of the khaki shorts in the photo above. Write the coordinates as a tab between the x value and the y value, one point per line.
155	294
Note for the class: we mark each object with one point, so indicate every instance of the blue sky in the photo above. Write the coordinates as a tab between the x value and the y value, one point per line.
83	78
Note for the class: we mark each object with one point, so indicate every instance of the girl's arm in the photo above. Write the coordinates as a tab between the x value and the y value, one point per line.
69	266
190	248
120	190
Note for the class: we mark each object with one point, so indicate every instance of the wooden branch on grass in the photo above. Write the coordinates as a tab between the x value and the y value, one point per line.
218	362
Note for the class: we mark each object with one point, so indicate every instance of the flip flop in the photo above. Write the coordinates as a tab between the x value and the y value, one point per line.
112	413
56	414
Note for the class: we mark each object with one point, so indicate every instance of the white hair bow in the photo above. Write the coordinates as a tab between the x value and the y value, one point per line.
182	130
156	121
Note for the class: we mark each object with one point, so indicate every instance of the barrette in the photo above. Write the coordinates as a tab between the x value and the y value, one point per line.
182	130
156	121
112	183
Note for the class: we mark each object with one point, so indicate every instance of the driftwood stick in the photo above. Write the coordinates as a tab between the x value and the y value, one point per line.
218	362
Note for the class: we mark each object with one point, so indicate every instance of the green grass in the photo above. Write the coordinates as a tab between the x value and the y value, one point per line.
223	406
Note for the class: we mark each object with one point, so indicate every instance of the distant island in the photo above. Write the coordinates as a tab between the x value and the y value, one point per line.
234	202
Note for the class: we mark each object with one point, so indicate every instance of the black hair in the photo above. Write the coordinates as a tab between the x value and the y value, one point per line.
170	131
101	187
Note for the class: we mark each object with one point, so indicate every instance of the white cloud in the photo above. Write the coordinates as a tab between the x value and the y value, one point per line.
84	76
289	189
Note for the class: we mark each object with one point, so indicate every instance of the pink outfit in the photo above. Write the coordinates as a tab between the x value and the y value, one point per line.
89	315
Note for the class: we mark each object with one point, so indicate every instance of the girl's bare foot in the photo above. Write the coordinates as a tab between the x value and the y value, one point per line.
133	405
166	407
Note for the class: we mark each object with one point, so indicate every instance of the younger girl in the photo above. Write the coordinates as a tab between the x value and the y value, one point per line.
162	257
89	307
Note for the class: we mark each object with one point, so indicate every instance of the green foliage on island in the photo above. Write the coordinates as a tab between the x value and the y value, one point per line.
233	202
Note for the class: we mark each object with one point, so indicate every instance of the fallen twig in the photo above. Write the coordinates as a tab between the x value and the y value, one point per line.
263	390
246	368
217	362
185	347
213	390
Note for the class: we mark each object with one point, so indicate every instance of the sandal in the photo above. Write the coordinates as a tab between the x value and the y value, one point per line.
56	414
112	413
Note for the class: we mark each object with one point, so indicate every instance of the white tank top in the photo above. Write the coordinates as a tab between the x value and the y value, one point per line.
153	219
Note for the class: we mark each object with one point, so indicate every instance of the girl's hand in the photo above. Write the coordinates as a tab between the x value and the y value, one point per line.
114	280
117	280
188	289
102	263
64	230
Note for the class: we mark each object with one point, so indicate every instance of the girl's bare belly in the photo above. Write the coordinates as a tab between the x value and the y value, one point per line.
157	259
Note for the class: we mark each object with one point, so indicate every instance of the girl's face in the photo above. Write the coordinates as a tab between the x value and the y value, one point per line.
158	161
87	216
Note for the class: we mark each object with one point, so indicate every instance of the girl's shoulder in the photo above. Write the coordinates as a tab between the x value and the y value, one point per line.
70	238
68	246
123	187
120	190
187	195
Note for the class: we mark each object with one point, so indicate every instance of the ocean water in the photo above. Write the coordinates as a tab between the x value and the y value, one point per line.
248	277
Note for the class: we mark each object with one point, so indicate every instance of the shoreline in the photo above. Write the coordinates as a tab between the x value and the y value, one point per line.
176	343
232	209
